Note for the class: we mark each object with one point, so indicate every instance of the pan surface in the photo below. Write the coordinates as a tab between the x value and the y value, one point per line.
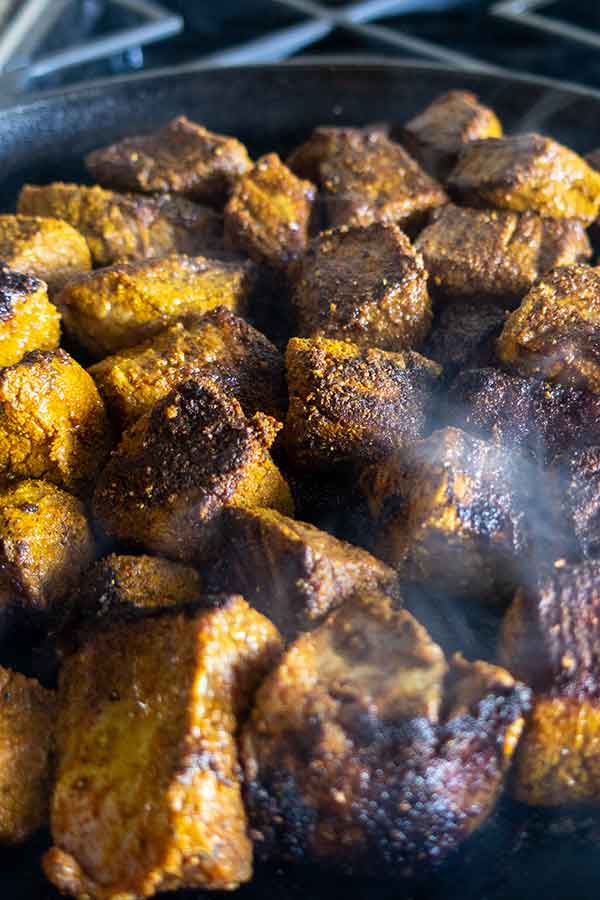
272	108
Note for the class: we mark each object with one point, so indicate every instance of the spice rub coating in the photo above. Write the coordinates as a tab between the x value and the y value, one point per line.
147	795
366	752
166	485
350	406
182	157
496	254
291	571
27	714
220	346
48	248
365	285
436	136
527	171
28	321
120	227
53	423
555	332
45	544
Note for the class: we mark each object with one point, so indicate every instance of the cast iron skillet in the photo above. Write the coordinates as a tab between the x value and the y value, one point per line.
518	854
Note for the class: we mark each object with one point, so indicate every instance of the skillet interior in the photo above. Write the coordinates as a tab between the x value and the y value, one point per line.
274	107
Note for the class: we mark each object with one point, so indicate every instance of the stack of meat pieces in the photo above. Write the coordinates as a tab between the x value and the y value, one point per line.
178	492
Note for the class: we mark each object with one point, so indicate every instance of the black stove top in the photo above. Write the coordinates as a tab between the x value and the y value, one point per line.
78	40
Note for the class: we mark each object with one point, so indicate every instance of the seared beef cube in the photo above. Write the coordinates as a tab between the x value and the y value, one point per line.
361	754
527	171
48	248
126	226
457	513
27	713
291	571
28	321
219	346
181	158
539	418
463	335
350	406
555	332
323	145
496	254
366	285
147	794
122	305
581	479
53	424
551	639
45	544
268	213
166	485
436	135
369	178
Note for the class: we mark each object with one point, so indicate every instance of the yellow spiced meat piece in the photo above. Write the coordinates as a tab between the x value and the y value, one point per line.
53	423
147	794
48	248
126	226
28	321
527	171
554	333
323	145
369	178
119	306
365	285
496	254
550	640
436	135
350	406
368	752
27	717
291	571
220	346
455	512
181	158
166	485
268	213
45	544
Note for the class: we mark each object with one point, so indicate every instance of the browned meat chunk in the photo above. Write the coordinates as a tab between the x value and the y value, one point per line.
28	321
268	213
45	544
147	794
364	753
122	305
368	178
550	639
291	571
555	332
457	513
323	145
48	248
527	171
496	254
219	346
53	424
366	285
536	417
350	406
126	226
436	135
27	713
165	487
182	157
580	471
464	335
